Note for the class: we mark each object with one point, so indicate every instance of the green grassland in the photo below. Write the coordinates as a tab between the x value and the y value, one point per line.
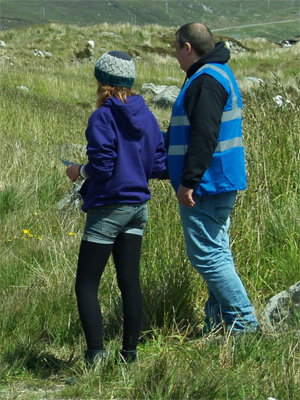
42	342
265	17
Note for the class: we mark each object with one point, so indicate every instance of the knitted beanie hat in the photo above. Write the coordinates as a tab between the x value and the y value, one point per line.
115	68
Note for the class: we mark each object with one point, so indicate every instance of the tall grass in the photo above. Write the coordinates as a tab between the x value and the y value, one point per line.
41	338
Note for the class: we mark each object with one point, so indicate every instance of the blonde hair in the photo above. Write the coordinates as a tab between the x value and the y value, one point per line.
104	92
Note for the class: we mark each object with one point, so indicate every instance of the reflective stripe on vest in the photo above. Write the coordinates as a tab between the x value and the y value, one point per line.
181	149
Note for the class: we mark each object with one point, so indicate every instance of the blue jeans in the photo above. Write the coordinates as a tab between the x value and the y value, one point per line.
103	224
205	228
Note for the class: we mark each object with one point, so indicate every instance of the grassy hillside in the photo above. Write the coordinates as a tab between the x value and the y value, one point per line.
217	14
45	105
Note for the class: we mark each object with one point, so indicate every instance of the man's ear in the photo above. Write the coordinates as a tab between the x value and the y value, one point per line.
188	47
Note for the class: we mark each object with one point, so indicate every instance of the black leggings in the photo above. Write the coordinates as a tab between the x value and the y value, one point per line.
92	260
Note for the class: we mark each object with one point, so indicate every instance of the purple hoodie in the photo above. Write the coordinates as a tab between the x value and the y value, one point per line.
125	149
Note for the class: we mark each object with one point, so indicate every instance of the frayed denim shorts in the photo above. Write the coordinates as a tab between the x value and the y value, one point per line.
103	224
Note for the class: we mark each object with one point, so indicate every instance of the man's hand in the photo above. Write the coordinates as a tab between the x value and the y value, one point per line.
73	171
185	196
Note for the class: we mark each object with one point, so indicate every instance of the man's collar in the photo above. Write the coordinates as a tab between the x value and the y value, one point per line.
203	60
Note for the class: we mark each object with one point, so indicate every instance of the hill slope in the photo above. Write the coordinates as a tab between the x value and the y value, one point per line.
216	14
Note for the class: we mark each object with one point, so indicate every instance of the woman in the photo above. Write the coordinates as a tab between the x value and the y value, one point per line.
125	149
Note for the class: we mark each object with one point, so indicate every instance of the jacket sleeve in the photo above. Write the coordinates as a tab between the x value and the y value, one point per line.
204	103
160	159
101	150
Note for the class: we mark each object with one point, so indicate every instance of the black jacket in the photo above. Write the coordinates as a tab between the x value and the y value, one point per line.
205	100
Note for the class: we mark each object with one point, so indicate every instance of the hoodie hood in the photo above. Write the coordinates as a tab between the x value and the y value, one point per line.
132	116
220	54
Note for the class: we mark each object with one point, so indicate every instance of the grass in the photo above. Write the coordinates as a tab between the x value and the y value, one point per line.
41	338
275	20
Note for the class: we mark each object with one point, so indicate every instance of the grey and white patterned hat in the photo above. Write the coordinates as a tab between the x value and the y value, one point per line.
115	68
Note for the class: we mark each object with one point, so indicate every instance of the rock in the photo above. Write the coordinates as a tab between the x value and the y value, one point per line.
6	57
23	88
38	53
282	310
280	101
71	381
167	97
294	292
111	34
234	47
2	44
207	9
87	52
152	88
73	198
251	82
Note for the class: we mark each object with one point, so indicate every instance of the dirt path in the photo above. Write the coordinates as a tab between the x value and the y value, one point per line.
262	23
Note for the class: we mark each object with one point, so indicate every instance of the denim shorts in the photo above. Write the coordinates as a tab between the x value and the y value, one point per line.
103	224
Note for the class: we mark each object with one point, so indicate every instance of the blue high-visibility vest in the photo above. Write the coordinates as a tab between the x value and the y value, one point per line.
227	171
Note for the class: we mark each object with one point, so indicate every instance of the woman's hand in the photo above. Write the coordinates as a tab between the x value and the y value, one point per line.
73	171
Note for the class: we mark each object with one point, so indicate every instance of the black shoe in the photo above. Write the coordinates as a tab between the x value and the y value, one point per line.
93	357
128	356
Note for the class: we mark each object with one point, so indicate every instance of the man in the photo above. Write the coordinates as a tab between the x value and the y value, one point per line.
207	167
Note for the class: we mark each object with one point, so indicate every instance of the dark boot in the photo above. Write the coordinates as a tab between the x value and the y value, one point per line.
93	357
128	356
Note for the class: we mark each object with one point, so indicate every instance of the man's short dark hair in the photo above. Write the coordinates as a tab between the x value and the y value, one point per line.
199	36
